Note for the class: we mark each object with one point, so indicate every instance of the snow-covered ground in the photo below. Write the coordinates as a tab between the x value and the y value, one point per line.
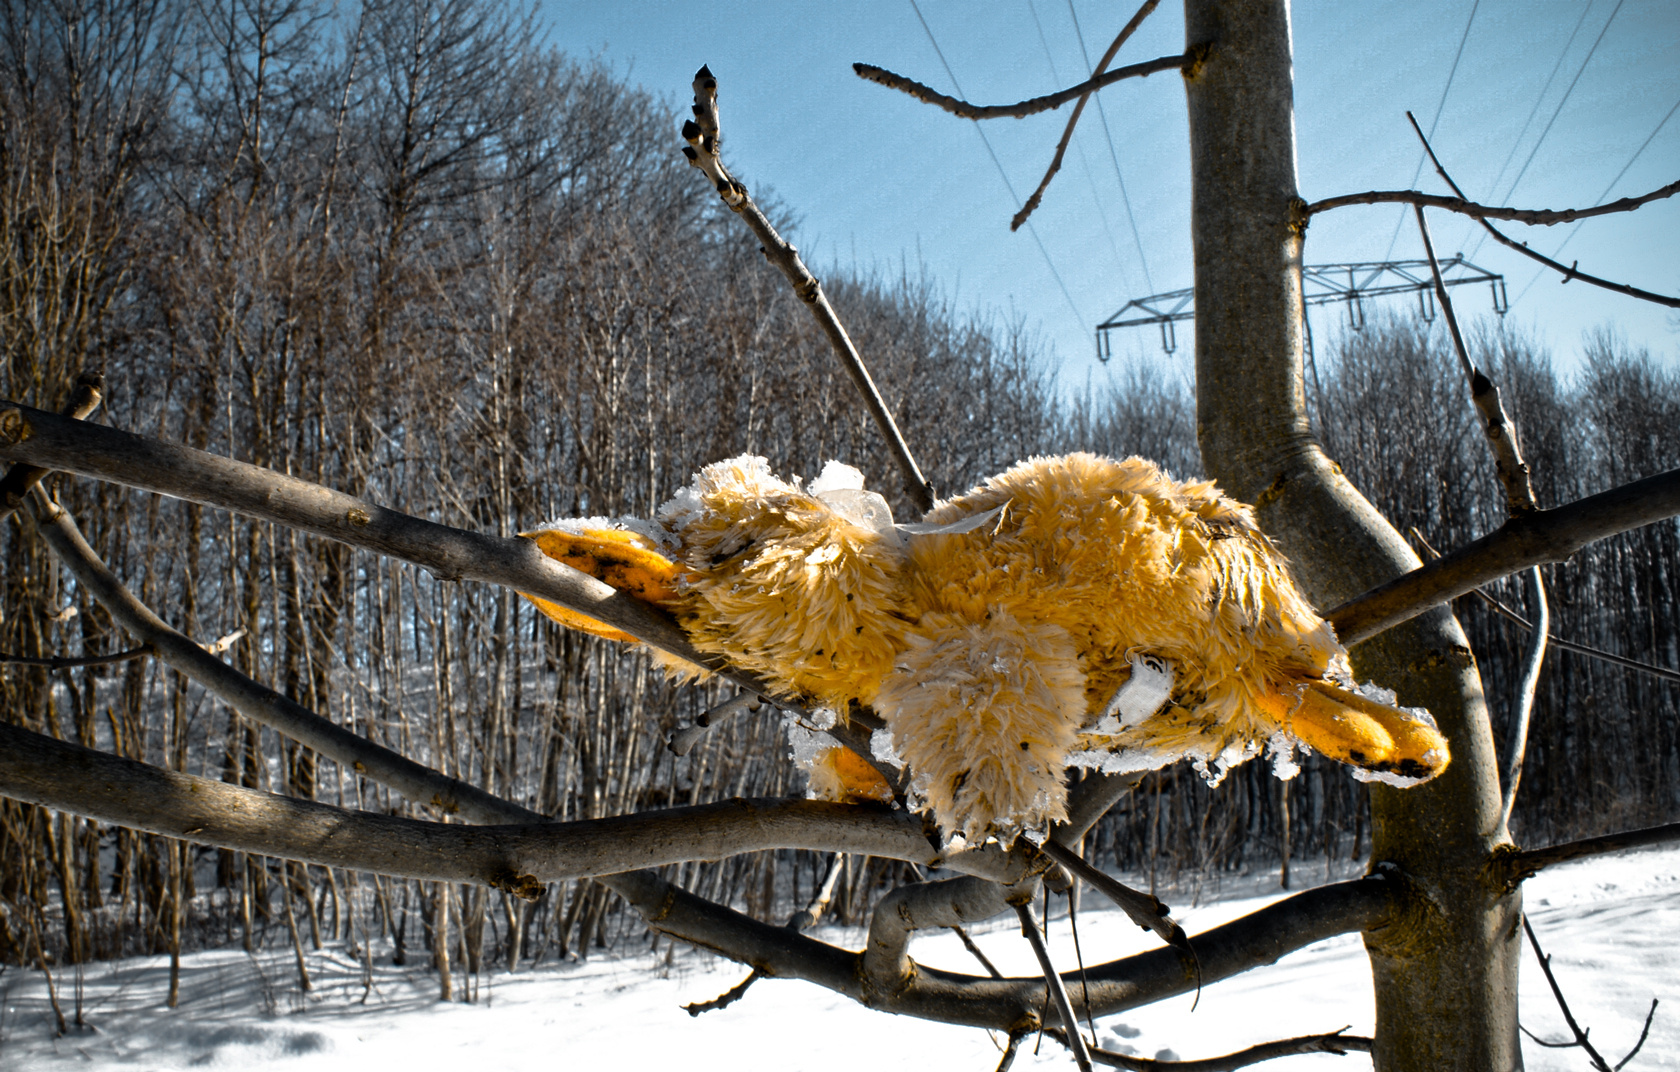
1610	924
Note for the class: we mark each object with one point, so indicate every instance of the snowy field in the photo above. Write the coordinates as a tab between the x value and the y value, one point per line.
1611	925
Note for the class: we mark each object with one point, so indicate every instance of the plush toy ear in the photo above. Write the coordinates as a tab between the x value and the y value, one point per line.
620	558
1360	732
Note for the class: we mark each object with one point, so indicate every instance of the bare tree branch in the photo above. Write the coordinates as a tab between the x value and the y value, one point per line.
1581	1040
1660	672
976	952
84	399
57	774
1528	684
1144	909
45	439
1519	502
1502	440
682	742
61	662
1335	1042
1050	102
1522	247
800	921
1533	539
1516	866
1064	1006
703	134
1552	639
1544	217
1126	31
1090	799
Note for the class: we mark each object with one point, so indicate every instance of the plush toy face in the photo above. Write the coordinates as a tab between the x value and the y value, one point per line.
1072	611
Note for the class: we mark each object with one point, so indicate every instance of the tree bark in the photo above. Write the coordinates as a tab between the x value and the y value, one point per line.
1446	975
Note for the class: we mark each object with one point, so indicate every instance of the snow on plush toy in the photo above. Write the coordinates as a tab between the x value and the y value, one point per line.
1073	611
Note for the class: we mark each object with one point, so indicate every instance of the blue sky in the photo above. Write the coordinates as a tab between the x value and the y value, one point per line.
881	181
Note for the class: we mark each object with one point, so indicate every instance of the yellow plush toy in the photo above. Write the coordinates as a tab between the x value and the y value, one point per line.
1073	611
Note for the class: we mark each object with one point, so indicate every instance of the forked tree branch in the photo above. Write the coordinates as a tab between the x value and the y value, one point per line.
1598	1062
1126	32
1544	217
703	134
1533	539
255	701
84	399
59	774
1046	103
1522	247
1502	438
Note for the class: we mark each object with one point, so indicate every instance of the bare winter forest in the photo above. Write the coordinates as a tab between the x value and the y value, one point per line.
410	255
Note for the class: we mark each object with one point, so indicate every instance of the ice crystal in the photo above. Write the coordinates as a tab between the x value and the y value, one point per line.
881	747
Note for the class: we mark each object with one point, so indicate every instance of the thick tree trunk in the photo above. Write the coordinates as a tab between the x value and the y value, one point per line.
1446	975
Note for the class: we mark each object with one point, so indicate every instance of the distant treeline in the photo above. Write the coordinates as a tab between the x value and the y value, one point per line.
401	250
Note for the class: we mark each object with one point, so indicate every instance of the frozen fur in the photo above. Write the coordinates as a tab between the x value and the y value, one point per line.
992	648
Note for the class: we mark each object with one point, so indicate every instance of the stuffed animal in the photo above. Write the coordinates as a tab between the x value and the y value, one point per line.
1073	611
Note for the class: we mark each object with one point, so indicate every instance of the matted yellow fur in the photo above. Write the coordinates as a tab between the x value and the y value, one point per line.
992	637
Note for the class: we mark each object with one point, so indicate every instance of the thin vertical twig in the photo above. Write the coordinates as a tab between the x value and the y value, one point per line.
1516	742
1513	471
1058	992
1519	501
1078	110
703	134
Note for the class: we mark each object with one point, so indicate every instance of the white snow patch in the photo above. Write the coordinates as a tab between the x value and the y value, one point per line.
1608	923
836	476
882	748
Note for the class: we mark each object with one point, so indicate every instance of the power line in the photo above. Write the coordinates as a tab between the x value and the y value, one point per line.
1637	153
1084	161
1112	155
1559	109
1493	187
1534	111
1014	197
1439	107
1556	111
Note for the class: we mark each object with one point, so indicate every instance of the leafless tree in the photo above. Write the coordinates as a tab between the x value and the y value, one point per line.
341	260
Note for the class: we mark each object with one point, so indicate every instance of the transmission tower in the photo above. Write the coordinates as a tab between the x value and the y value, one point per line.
1321	284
